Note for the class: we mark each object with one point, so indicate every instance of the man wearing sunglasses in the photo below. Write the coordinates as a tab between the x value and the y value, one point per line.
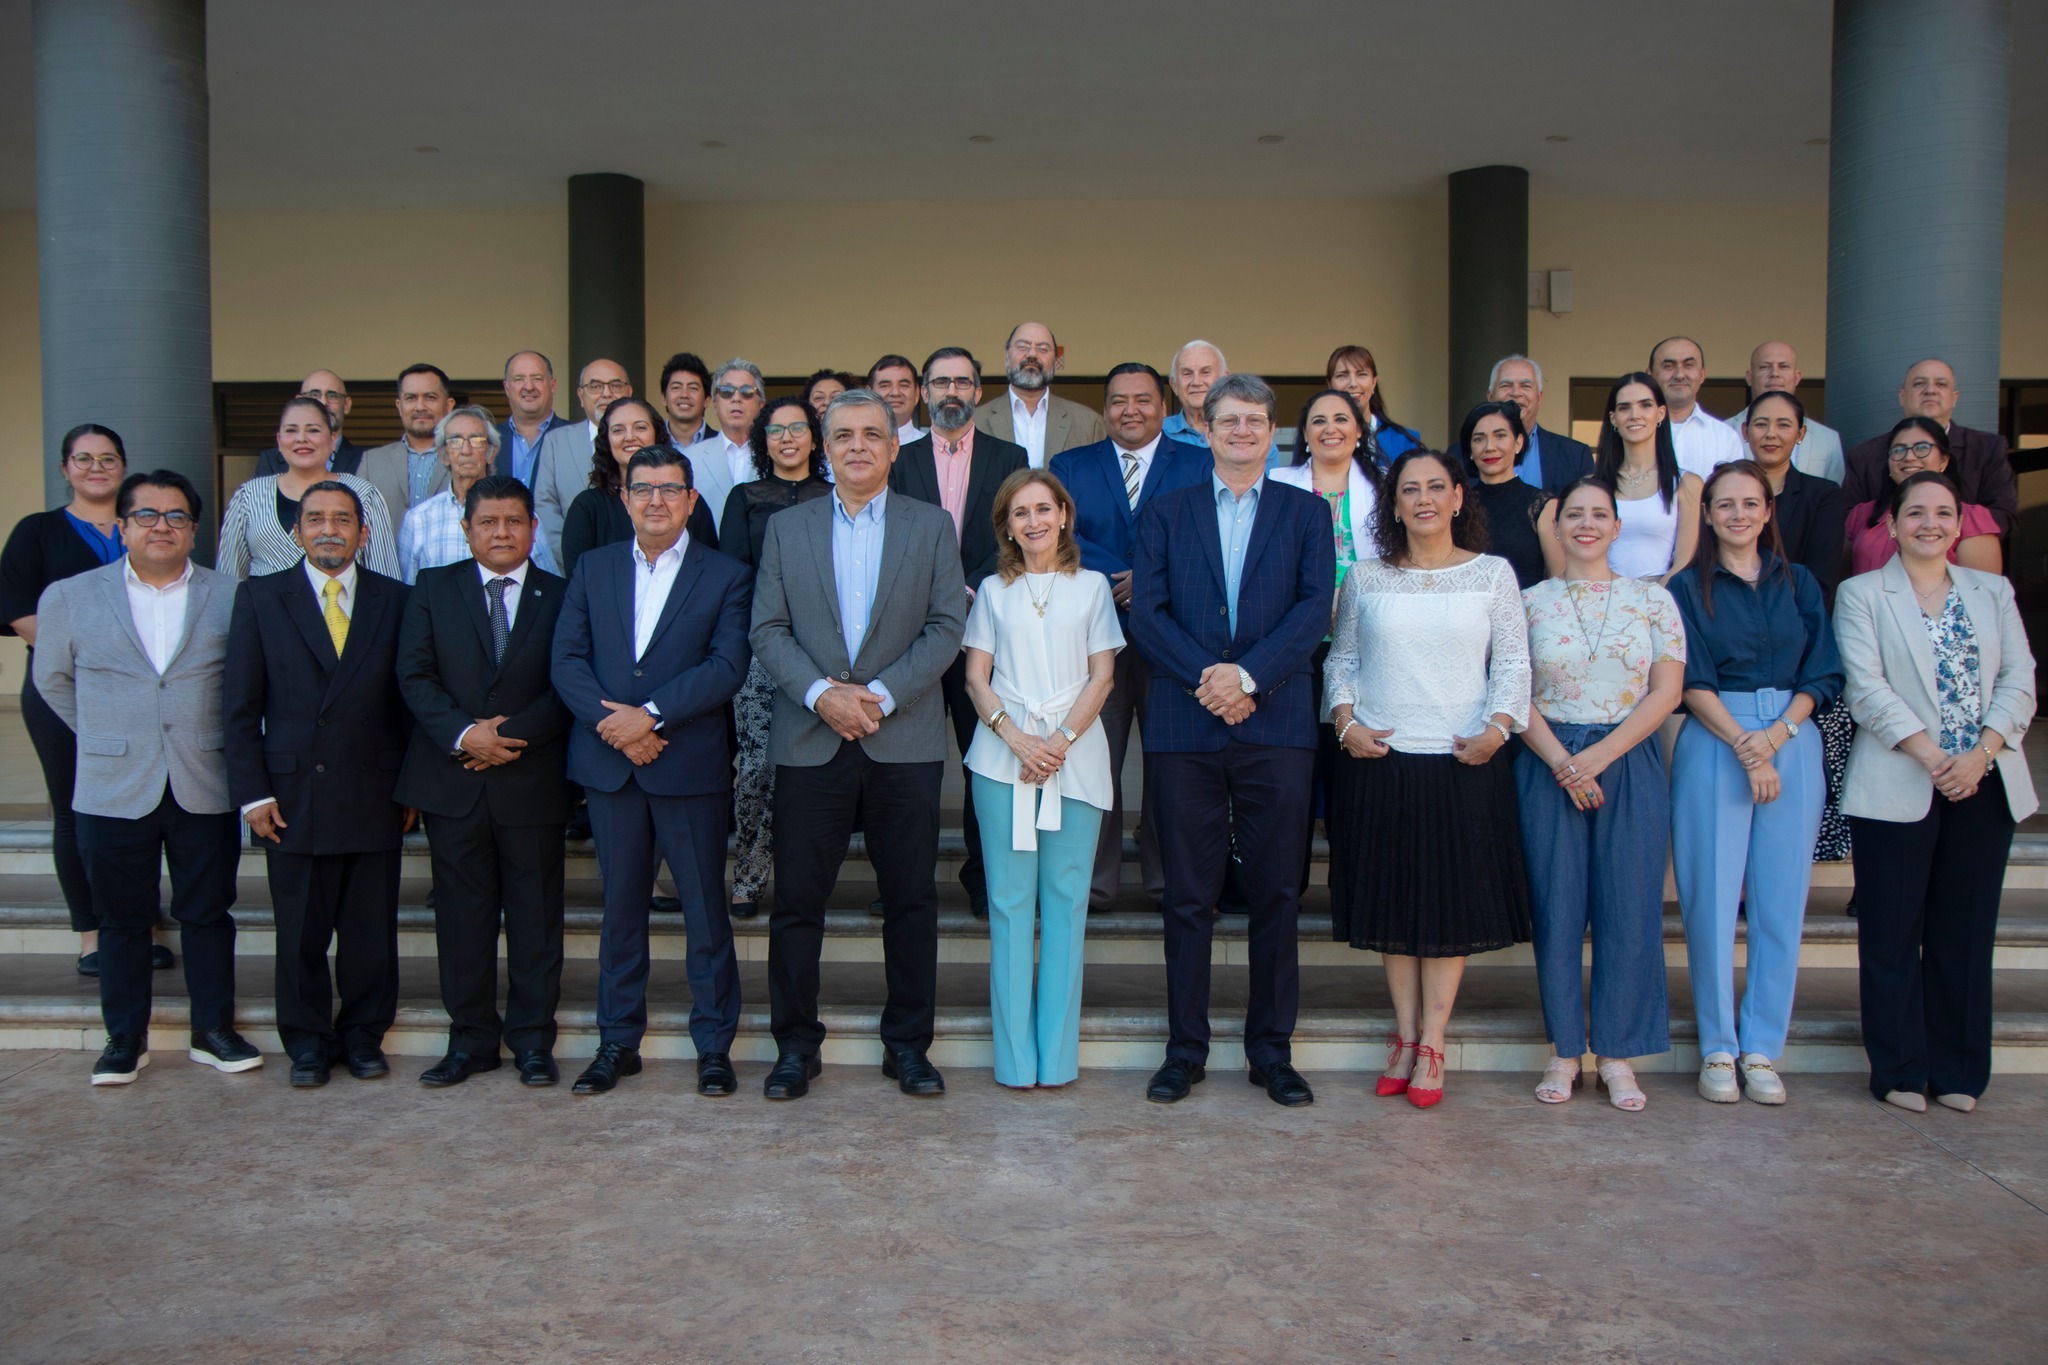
562	469
721	460
1977	460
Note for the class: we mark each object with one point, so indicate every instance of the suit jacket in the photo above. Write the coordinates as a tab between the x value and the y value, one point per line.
347	458
560	471
1978	462
137	729
503	464
1565	461
1067	424
1890	687
1180	615
694	664
450	680
916	475
1103	519
1811	518
386	467
913	635
322	737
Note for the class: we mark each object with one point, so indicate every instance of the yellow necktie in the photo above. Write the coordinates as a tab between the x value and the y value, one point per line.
337	619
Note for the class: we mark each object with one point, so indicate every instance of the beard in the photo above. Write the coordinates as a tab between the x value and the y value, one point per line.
951	413
1028	376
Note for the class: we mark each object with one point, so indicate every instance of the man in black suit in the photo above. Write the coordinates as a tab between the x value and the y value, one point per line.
347	458
1552	462
486	769
959	468
1978	461
316	730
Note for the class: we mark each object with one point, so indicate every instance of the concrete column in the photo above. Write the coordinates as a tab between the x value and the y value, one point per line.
122	233
608	274
1489	279
1916	203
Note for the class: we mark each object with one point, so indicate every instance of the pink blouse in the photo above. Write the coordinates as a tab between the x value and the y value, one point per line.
1871	546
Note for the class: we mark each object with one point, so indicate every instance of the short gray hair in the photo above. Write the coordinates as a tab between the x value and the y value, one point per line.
1494	378
482	414
857	398
1187	346
1245	388
736	363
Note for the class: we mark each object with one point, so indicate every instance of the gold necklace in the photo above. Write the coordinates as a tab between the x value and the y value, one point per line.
1429	570
1036	600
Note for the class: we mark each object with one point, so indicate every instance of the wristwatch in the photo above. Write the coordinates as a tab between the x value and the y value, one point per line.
1791	728
1245	683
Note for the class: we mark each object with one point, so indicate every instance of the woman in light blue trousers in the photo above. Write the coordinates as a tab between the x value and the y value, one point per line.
1041	647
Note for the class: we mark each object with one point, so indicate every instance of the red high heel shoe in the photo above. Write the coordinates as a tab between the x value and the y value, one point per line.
1394	1085
1422	1097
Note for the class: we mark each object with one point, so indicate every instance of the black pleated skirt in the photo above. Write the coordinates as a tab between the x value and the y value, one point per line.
1426	855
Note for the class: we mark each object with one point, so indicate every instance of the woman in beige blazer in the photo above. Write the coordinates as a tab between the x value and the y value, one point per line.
1941	683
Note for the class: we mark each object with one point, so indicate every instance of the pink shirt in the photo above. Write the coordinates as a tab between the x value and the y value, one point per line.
1870	547
954	463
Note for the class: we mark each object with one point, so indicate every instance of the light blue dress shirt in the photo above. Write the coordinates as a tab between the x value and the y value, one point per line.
419	471
1234	517
523	454
856	573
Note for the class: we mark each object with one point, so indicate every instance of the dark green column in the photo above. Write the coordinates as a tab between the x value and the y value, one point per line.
608	274
1489	279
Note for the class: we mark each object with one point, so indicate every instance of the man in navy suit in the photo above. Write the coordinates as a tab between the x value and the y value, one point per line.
1111	482
651	646
1232	581
530	390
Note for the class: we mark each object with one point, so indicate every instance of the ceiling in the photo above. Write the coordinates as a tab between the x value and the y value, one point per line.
821	99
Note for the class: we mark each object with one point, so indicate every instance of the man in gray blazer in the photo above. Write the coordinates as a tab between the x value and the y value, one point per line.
1031	414
131	657
409	470
562	468
859	606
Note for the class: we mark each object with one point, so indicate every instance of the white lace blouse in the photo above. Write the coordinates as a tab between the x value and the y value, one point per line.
1429	654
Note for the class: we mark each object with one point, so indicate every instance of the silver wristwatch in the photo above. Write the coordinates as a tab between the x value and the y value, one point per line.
1791	727
1244	682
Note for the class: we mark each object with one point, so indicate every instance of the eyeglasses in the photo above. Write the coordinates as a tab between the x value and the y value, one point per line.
746	391
526	378
607	386
1919	450
1255	421
944	384
777	430
472	442
95	462
324	395
667	492
146	517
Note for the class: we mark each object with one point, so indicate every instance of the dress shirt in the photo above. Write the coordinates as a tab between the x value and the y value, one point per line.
739	459
1530	470
107	547
1028	427
856	572
703	432
513	589
159	614
346	599
419	472
1235	515
524	453
431	535
953	463
1773	635
651	588
1703	443
1820	454
908	432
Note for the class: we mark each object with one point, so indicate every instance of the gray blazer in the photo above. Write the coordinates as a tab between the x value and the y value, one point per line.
1890	688
385	468
137	730
561	470
914	629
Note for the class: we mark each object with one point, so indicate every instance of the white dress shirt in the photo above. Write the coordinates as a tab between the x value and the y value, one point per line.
1027	428
1703	443
908	432
651	585
159	613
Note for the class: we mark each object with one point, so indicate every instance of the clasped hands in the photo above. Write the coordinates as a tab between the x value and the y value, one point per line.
630	730
1221	690
1754	750
850	709
1037	757
1956	775
1578	774
483	747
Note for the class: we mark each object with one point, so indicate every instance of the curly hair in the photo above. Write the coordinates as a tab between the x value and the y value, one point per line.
1468	527
757	437
1009	556
604	466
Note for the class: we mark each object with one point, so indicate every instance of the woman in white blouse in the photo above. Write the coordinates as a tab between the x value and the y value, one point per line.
1041	647
1608	655
256	532
1428	678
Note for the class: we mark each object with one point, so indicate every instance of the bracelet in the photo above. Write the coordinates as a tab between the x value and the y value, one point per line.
1345	726
995	721
1505	733
1987	751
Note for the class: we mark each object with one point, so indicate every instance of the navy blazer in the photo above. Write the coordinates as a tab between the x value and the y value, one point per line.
504	462
1103	520
693	666
1180	616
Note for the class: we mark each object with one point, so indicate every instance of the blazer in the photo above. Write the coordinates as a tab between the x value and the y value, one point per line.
1180	616
1364	498
1067	424
387	469
1565	461
503	464
450	680
1891	690
137	730
1978	462
1810	517
347	458
1103	519
43	548
916	475
694	664
560	471
322	737
913	636
253	544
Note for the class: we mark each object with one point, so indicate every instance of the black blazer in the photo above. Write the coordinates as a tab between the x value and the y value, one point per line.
1977	460
348	458
450	681
1812	518
1565	461
321	737
43	548
916	475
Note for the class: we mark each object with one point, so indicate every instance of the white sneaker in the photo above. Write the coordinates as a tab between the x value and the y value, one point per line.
1717	1078
1760	1081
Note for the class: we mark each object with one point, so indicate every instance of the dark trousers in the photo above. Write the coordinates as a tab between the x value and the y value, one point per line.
57	750
122	858
1124	705
1327	750
483	867
1264	792
633	829
960	707
350	900
1926	914
814	814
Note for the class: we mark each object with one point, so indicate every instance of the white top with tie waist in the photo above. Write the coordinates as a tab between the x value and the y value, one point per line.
1040	669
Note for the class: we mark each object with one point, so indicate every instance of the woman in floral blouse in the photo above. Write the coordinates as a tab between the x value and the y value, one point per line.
1608	658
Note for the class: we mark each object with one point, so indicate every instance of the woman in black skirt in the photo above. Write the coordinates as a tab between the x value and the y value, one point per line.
1428	678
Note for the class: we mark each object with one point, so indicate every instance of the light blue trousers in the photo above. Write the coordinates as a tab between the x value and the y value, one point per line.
1723	843
1037	1031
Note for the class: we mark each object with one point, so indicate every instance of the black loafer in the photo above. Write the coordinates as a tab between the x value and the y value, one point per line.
310	1074
913	1072
1283	1084
456	1068
715	1075
745	909
89	963
666	905
613	1062
791	1076
1171	1083
536	1068
161	959
368	1065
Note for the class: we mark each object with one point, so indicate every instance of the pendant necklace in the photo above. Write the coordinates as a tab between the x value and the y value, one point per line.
1593	642
1036	601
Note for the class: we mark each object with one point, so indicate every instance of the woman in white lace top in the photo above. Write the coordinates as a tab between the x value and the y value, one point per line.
1428	677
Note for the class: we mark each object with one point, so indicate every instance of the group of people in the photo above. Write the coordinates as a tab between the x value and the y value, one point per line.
1466	662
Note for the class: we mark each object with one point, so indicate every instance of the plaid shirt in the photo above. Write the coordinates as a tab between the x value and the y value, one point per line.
432	535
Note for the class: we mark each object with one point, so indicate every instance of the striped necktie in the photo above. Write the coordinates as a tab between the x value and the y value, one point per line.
337	619
1133	479
500	627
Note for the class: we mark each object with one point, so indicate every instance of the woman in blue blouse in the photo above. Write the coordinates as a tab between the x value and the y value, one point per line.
1352	370
1746	780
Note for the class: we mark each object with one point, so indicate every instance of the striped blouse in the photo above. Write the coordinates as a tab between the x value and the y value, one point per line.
252	543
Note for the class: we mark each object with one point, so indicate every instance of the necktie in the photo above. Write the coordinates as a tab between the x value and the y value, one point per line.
500	627
1132	481
337	619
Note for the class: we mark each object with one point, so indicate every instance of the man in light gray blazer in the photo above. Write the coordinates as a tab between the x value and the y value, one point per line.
859	606
561	469
409	470
131	657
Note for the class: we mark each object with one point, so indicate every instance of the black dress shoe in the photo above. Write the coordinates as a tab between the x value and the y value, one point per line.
1284	1084
1170	1083
536	1068
89	963
579	824
161	959
876	908
309	1073
612	1062
666	905
715	1075
791	1076
456	1068
978	904
745	909
912	1072
368	1065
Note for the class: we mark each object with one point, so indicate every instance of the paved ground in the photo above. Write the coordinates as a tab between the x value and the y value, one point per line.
197	1217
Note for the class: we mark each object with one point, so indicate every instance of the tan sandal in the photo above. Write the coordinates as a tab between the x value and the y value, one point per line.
1618	1079
1560	1078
